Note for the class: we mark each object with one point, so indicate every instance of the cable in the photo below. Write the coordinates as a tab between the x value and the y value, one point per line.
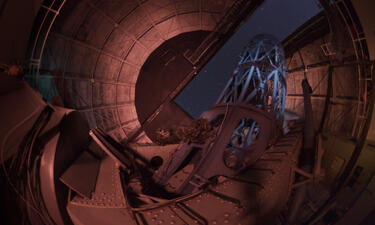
225	116
3	149
25	156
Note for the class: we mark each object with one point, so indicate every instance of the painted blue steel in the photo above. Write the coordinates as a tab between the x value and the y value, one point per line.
247	132
259	78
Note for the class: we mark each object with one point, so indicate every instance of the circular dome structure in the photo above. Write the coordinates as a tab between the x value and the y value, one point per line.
121	64
97	51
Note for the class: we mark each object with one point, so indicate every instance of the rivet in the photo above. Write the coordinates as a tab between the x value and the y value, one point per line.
214	222
226	221
160	221
226	214
161	210
172	216
172	222
156	215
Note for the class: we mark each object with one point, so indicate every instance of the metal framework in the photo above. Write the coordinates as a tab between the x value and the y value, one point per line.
243	137
48	13
245	133
259	78
51	8
356	33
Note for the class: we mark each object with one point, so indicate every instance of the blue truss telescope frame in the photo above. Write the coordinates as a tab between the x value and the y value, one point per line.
259	78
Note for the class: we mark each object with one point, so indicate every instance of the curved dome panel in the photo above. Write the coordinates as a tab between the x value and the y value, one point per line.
96	49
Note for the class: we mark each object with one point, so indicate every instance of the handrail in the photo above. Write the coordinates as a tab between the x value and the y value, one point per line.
355	31
39	42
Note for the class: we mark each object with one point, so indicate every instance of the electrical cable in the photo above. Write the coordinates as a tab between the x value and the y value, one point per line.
2	161
26	163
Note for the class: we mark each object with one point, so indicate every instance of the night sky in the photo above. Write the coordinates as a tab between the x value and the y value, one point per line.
276	17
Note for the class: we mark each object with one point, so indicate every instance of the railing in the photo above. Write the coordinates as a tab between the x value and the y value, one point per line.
356	33
42	27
